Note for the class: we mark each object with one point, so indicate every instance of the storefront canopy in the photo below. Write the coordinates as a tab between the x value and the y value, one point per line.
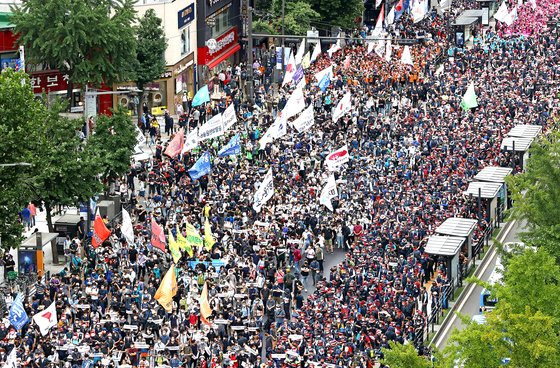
488	190
525	131
444	245
516	144
495	174
457	226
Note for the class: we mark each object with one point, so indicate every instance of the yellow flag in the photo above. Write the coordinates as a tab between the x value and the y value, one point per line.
205	310
306	61
174	247
208	238
183	243
167	289
193	238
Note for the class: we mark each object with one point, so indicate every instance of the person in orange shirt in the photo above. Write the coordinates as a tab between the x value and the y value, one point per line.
33	213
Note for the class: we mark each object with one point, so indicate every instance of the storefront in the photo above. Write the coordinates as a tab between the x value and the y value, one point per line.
9	56
218	43
184	71
55	84
158	95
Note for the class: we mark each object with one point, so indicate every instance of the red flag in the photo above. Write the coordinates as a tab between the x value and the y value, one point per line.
399	6
100	232
158	237
347	62
176	145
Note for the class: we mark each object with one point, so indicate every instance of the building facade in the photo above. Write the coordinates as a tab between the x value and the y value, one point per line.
219	25
178	82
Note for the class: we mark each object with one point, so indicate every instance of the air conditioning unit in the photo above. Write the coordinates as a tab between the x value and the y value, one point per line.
124	101
157	97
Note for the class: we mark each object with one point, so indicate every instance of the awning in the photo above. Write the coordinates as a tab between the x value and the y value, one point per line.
488	190
516	143
443	245
457	226
5	21
224	55
525	131
495	174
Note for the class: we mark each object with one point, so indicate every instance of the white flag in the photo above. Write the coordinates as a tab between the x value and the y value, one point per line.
191	141
511	17
377	3
126	228
328	192
380	48
344	105
212	129
370	46
305	120
11	362
406	57
229	117
290	70
265	192
336	159
334	48
390	19
300	52
388	50
379	24
46	319
277	130
502	12
316	52
295	104
419	10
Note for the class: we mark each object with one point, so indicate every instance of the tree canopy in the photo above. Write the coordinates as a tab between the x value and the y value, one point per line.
536	194
524	325
404	356
18	121
93	41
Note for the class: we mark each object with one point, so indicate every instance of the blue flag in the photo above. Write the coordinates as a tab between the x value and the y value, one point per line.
201	97
201	167
232	148
325	82
17	317
298	75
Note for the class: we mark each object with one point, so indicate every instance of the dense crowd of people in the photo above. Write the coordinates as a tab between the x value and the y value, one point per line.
413	152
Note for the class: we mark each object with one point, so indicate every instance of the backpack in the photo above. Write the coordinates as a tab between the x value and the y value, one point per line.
200	280
297	255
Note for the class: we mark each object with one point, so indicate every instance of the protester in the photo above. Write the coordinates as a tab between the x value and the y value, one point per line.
243	287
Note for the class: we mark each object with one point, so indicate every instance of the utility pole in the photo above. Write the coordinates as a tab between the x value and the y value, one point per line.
283	39
250	75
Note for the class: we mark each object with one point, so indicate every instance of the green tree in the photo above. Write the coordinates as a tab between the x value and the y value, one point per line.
527	339
532	280
342	13
90	40
404	356
64	168
523	326
113	144
150	53
298	18
18	121
536	194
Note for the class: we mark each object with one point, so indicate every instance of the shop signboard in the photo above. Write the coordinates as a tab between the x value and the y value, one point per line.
223	43
185	16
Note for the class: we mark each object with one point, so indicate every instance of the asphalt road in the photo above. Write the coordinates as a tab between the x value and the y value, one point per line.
470	304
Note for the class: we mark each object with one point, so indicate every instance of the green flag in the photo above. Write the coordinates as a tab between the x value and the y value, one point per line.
469	99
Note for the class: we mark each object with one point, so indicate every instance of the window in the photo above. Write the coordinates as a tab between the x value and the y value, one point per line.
219	21
186	41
